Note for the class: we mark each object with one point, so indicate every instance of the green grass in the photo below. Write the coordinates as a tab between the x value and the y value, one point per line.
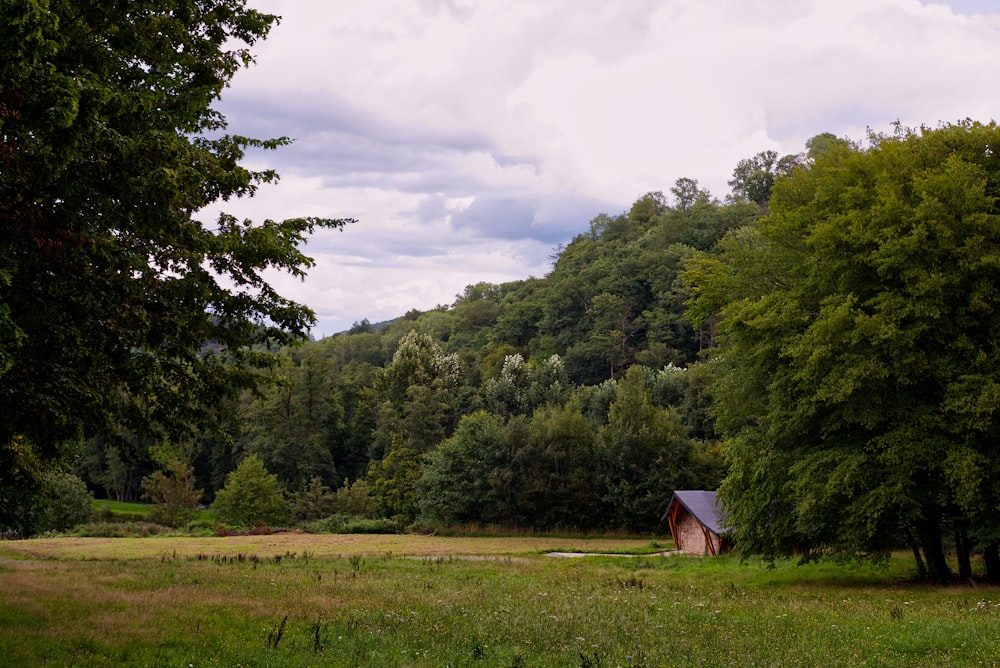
291	601
133	511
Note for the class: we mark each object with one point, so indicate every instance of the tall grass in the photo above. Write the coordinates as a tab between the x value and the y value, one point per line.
294	608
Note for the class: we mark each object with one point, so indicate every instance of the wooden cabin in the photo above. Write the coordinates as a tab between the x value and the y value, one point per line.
695	524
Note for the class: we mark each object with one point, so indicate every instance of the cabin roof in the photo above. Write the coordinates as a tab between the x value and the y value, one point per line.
701	504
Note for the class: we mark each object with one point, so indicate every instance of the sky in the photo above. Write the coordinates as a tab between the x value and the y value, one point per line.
471	139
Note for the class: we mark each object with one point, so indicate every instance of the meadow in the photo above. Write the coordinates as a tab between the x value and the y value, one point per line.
390	600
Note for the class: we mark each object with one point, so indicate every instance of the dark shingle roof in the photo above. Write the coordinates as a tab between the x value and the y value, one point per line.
703	506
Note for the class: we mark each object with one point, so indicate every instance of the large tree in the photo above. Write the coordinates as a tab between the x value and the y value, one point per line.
120	309
858	354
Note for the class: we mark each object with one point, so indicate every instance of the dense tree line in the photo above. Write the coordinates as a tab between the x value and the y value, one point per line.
834	338
574	399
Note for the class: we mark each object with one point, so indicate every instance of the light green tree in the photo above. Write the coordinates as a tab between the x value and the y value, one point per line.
252	497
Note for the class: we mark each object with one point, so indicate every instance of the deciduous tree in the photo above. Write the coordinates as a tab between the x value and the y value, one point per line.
120	306
252	497
858	350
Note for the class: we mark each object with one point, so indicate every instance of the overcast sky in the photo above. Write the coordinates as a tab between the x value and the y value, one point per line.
471	138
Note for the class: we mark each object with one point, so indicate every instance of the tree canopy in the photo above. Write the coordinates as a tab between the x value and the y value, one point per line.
121	311
860	369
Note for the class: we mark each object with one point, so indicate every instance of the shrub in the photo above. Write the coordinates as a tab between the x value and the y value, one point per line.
251	497
174	493
66	502
354	499
351	524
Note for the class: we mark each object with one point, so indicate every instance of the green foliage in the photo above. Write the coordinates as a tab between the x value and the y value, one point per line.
66	502
393	481
345	523
20	486
754	178
291	424
643	450
521	387
173	492
314	502
857	358
553	469
420	393
354	498
252	497
463	480
120	312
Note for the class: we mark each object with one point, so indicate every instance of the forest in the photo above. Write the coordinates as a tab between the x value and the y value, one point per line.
577	399
819	346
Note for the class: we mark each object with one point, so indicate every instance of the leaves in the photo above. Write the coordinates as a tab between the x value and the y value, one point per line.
854	319
120	311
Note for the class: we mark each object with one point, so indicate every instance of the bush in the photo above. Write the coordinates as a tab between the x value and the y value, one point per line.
252	497
66	502
119	530
340	523
354	499
174	493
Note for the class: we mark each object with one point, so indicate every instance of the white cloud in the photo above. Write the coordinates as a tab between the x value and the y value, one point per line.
470	138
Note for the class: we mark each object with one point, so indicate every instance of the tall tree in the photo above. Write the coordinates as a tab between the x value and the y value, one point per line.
553	468
643	453
111	287
291	426
754	178
859	359
464	479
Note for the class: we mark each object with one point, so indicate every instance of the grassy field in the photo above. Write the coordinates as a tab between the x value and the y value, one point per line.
133	511
308	600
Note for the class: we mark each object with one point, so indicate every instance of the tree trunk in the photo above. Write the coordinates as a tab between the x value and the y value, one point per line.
921	566
963	552
929	531
991	559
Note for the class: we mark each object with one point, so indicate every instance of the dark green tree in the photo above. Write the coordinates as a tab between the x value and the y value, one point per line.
643	452
553	471
393	481
119	307
858	366
65	502
754	178
464	478
291	424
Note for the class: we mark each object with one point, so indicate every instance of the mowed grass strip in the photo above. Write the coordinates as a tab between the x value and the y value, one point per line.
318	545
374	606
